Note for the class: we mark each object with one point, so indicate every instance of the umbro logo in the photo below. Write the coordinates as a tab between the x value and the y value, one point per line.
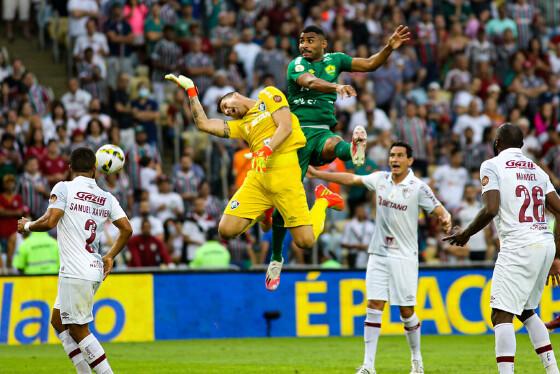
64	315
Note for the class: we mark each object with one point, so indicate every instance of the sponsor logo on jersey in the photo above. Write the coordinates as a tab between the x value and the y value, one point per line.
311	71
485	180
516	164
299	68
89	197
234	204
392	205
330	69
52	199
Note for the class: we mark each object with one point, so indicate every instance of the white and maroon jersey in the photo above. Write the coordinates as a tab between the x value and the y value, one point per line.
521	220
86	208
398	206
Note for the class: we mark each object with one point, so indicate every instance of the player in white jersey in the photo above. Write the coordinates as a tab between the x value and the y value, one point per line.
392	270
77	209
515	193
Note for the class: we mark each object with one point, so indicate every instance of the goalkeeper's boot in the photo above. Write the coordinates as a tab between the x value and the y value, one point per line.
364	370
358	147
335	200
554	324
417	367
272	280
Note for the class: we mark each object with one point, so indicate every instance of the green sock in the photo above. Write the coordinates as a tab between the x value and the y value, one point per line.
342	151
278	235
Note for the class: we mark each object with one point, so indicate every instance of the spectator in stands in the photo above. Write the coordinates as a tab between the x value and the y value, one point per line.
186	182
55	118
119	185
198	65
146	249
496	27
120	37
357	235
9	13
94	112
271	60
174	240
373	119
37	255
551	161
145	112
14	81
91	77
219	88
54	166
450	180
95	136
183	25
34	187
223	37
141	149
387	80
95	40
153	27
247	51
166	58
166	203
135	13
79	12
242	250
76	101
212	254
11	154
35	146
414	131
121	110
36	94
144	213
474	120
11	209
195	227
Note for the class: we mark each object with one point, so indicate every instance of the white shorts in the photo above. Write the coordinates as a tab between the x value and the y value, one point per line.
75	300
392	279
10	6
519	277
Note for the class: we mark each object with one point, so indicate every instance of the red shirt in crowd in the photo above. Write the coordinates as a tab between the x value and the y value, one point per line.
39	152
8	225
55	165
147	251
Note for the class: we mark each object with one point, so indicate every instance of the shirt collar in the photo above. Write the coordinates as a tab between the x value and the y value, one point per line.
405	180
85	179
511	151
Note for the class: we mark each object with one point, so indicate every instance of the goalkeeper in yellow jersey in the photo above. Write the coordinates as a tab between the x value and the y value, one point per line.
274	136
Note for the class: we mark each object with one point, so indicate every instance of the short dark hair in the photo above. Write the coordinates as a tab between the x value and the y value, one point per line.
315	29
510	136
402	144
218	106
82	160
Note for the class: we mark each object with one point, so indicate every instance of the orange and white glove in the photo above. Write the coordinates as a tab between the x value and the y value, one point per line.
185	83
259	158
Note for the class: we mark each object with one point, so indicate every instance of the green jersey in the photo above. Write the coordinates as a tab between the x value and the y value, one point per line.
38	254
314	108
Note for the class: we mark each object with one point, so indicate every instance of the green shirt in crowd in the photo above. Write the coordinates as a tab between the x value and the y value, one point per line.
310	106
38	254
211	255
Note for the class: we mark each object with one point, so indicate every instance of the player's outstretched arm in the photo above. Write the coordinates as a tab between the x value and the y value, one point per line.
46	222
443	217
400	36
491	206
125	232
217	127
310	81
346	179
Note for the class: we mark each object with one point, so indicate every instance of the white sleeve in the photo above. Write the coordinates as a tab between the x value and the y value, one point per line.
370	180
489	176
426	198
59	196
157	226
549	186
383	123
116	211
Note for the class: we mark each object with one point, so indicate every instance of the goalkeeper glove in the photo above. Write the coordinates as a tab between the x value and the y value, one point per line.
185	83
259	158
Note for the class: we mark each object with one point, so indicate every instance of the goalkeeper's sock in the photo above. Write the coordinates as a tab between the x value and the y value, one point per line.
318	215
278	235
74	353
342	151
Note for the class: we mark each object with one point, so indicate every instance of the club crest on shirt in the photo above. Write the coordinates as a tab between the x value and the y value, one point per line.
406	193
262	107
234	204
299	68
277	98
485	180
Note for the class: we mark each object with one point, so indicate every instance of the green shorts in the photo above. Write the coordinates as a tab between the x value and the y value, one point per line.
311	153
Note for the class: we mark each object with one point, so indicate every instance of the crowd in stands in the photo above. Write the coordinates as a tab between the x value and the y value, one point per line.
471	65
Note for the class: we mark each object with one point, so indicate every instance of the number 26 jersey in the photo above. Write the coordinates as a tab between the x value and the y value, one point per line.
86	208
523	187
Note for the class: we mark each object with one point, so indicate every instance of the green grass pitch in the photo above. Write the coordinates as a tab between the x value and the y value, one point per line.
442	354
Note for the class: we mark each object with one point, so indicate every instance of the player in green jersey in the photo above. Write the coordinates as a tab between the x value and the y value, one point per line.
312	91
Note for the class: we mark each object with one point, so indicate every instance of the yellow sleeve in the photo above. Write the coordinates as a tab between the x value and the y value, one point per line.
273	98
235	128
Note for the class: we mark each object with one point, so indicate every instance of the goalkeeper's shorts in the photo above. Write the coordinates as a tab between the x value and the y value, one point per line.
279	187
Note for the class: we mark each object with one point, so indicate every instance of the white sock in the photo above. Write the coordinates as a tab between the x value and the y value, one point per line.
505	347
372	327
412	331
95	355
541	342
73	351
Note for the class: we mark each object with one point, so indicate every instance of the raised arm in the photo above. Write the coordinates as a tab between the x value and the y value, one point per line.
310	81
283	120
217	127
400	36
346	179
